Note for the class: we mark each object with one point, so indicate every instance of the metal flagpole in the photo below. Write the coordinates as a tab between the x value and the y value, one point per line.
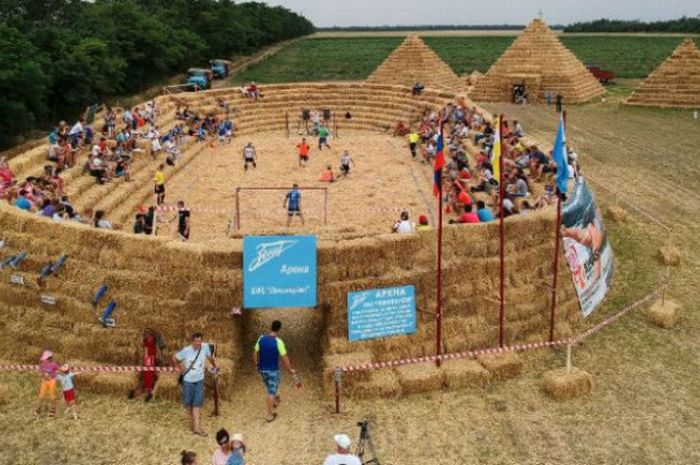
501	234
438	306
555	264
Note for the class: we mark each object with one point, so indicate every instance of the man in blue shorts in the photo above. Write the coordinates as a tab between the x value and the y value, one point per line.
192	360
293	204
268	351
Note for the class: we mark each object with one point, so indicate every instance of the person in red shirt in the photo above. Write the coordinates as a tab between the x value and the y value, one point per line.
304	150
469	217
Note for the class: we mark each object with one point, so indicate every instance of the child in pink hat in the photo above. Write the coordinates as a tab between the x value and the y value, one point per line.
48	369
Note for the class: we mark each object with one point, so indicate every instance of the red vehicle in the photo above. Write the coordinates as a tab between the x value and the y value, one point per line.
600	74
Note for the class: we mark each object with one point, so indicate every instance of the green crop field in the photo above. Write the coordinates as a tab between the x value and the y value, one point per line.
356	58
323	60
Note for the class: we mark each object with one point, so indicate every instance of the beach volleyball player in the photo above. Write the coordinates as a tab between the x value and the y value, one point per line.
293	204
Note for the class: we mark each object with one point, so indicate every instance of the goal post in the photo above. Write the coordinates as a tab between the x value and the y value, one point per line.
240	190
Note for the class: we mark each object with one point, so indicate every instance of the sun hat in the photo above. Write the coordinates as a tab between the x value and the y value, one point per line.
238	437
342	440
46	355
65	367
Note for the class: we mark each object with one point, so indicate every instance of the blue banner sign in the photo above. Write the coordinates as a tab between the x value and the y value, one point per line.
279	271
381	312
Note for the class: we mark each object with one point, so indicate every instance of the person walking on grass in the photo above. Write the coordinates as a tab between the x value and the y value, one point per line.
192	360
159	185
293	204
268	350
68	389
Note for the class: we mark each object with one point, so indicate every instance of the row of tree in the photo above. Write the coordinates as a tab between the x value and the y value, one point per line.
682	25
57	56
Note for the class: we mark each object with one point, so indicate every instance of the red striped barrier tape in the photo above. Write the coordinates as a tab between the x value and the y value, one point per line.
92	369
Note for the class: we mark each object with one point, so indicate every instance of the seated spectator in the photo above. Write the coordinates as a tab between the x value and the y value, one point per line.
485	215
418	88
517	187
22	202
100	222
6	175
423	224
404	225
342	455
468	217
253	91
400	129
518	129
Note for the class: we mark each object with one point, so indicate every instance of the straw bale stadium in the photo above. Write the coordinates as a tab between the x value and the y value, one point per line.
512	407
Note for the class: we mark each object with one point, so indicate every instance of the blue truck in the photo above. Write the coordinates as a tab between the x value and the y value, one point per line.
220	68
199	78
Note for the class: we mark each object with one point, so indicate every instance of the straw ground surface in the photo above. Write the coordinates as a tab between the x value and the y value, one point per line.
383	180
643	411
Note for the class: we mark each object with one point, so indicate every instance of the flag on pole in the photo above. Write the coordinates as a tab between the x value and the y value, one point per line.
439	162
560	157
496	151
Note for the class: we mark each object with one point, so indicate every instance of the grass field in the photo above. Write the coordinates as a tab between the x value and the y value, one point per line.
322	60
355	58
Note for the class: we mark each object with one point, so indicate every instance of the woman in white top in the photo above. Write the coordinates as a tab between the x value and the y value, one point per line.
404	225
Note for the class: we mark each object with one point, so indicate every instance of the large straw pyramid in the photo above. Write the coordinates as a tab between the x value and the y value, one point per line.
413	61
675	83
540	61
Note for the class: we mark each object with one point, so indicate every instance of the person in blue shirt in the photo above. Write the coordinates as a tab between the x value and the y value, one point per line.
23	202
266	356
192	360
293	204
485	215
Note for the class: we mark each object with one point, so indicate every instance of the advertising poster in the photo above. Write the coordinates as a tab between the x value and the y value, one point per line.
586	247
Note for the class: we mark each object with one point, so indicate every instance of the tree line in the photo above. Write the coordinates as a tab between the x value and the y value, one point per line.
57	56
682	25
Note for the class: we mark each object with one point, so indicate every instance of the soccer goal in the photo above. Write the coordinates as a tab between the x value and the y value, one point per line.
264	206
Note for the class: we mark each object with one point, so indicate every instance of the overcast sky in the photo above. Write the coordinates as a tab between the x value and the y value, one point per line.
326	13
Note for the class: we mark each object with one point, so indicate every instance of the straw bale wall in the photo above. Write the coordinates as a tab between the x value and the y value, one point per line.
180	288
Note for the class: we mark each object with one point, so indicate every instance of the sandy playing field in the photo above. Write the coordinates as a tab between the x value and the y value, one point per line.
383	181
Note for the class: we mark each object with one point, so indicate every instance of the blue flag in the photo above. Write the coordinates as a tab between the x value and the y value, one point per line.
559	156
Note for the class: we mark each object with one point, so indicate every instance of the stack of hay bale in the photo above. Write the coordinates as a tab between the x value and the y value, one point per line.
675	83
415	62
542	63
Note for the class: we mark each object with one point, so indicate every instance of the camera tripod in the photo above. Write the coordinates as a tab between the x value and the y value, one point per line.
365	444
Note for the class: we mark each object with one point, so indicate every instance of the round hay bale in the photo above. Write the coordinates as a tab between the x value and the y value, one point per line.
617	214
670	256
502	366
465	373
421	377
561	385
664	315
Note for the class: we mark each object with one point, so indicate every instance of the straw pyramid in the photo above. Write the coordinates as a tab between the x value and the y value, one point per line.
675	83
413	61
540	61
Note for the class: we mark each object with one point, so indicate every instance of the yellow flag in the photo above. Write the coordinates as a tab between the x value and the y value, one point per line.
496	152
